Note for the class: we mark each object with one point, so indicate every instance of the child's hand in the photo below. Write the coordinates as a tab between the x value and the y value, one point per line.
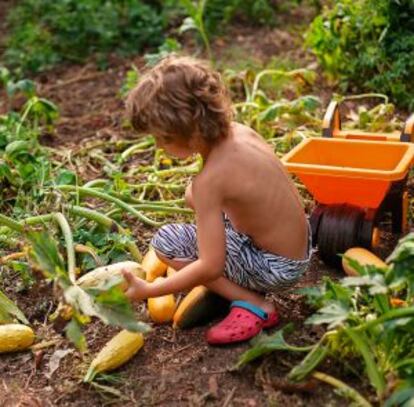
137	288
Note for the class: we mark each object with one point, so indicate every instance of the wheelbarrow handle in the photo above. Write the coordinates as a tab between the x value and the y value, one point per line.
408	131
331	127
332	120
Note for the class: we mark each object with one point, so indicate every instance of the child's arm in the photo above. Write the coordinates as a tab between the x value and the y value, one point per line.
189	196
211	244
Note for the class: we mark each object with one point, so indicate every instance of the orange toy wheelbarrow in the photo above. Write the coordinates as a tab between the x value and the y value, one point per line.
355	178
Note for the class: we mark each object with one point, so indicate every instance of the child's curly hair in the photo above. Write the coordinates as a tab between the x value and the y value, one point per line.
181	96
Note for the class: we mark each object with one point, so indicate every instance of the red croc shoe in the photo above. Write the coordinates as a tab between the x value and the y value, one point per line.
243	323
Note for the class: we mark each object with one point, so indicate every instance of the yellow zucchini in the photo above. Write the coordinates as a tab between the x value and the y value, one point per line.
153	266
161	309
121	348
363	257
15	337
199	305
102	274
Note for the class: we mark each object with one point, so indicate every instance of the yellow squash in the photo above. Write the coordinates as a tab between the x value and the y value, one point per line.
15	337
363	257
161	309
198	306
121	348
102	274
153	266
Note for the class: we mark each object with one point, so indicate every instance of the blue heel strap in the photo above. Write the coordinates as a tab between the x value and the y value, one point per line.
250	307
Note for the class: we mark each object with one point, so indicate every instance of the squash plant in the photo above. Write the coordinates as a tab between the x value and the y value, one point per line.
365	324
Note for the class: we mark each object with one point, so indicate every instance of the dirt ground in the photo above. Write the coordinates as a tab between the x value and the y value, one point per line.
174	368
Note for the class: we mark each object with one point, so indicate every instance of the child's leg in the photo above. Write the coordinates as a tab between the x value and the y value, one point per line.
233	292
226	288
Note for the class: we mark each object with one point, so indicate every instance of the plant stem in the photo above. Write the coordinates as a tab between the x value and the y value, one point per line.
375	375
130	200
64	226
33	220
343	387
70	250
12	224
109	198
163	208
366	95
393	314
149	142
109	223
96	183
168	187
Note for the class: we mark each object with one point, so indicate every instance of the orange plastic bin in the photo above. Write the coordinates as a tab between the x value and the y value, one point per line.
344	171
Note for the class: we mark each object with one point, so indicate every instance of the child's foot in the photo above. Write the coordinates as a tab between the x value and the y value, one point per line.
243	323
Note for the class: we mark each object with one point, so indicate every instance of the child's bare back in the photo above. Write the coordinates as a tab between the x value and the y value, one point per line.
257	194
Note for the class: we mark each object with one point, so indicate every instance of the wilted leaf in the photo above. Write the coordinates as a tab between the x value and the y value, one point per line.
74	334
46	255
9	309
55	360
110	305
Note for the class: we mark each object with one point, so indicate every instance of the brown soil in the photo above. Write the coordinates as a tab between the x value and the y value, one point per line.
174	368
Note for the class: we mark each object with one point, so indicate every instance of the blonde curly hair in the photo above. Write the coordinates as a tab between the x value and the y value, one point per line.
181	97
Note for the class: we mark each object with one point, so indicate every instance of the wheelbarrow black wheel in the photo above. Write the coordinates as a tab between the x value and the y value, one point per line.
338	231
369	234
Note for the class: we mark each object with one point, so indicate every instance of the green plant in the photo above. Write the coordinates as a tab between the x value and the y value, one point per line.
43	33
364	326
195	20
169	46
209	17
254	12
367	43
281	121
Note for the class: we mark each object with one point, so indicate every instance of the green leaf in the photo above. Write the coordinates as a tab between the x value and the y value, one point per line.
25	86
108	303
188	24
375	282
401	398
8	310
66	177
333	314
364	347
4	75
272	112
264	344
313	294
74	334
310	362
401	274
5	172
190	7
17	147
46	255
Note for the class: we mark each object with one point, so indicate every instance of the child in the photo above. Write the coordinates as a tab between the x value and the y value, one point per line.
251	236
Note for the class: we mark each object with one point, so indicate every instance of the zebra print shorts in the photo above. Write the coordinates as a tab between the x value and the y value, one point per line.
246	265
